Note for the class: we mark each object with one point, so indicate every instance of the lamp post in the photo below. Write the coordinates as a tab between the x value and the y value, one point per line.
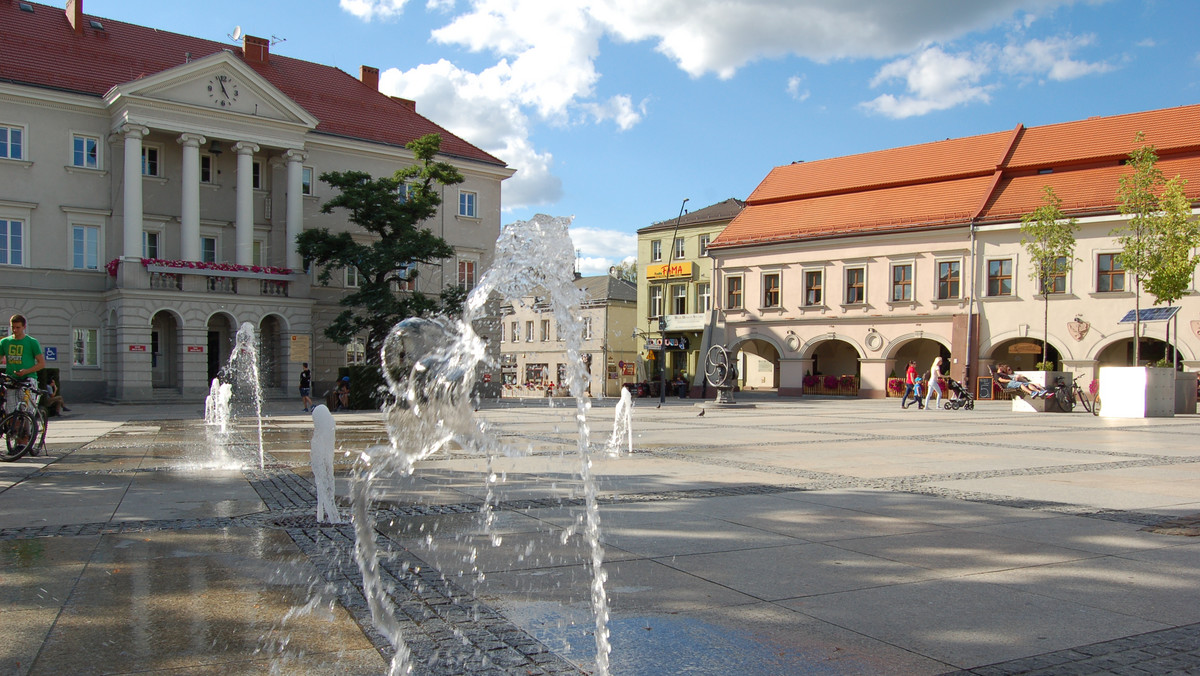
662	319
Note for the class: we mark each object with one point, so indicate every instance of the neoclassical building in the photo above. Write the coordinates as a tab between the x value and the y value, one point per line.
152	186
852	266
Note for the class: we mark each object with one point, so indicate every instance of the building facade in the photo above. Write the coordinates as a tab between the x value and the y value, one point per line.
675	292
852	266
152	186
533	353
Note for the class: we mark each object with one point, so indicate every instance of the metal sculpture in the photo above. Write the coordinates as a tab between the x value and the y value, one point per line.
721	372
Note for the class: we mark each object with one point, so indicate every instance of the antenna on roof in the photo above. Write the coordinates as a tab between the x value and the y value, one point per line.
236	34
276	40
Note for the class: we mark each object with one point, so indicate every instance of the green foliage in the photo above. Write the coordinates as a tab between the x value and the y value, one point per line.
1163	363
367	387
1044	366
627	270
393	216
1173	242
1049	238
1138	195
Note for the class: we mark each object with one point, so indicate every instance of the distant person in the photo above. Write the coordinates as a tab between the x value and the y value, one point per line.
910	386
54	403
343	393
23	359
1013	382
306	388
935	386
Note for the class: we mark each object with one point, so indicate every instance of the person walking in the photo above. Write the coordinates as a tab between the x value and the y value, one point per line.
306	388
935	373
910	386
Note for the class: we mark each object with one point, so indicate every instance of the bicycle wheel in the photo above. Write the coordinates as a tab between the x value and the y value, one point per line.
20	434
1065	402
1096	405
43	424
1083	399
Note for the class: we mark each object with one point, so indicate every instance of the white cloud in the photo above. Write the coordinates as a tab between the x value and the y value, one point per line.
600	249
368	10
934	80
794	88
1051	58
619	109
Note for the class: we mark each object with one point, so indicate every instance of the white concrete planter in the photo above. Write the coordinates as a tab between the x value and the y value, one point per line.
1185	392
1046	380
1137	392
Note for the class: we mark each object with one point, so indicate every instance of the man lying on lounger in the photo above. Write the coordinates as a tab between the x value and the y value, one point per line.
1011	381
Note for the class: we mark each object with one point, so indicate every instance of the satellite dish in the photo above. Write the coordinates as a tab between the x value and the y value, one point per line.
237	33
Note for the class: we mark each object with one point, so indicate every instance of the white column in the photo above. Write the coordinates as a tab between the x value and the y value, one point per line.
244	254
295	205
189	234
132	243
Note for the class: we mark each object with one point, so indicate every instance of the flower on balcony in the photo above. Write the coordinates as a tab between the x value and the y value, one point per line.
896	385
222	267
847	380
811	380
831	382
112	267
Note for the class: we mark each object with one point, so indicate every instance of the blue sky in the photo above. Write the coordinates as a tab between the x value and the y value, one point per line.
614	111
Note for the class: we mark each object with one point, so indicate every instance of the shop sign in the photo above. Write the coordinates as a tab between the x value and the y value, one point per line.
671	271
672	343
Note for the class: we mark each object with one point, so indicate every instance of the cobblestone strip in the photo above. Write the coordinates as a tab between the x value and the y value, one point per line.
1170	651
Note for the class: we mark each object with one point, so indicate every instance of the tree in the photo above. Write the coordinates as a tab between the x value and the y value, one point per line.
1173	243
627	270
1049	238
392	209
1138	196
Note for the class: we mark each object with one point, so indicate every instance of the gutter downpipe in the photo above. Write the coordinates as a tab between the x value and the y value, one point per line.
971	310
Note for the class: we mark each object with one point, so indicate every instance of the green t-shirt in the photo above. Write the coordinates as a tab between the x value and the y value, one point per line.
20	354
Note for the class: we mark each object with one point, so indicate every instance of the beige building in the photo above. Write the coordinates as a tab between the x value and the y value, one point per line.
675	291
533	353
152	186
847	268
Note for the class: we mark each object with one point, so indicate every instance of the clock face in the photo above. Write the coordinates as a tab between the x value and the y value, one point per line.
223	91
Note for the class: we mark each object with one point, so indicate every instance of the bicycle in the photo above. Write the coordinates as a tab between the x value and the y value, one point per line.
1066	396
20	426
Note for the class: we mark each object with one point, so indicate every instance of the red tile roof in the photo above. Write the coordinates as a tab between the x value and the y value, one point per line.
41	49
992	177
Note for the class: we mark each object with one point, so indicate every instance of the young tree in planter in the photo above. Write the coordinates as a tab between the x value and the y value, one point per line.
393	209
1049	239
1173	244
1138	194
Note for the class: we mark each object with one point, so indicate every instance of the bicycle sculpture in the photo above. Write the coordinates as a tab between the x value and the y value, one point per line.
720	372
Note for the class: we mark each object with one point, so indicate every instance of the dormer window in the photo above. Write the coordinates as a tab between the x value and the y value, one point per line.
1045	171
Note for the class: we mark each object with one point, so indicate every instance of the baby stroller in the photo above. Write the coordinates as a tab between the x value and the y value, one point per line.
962	396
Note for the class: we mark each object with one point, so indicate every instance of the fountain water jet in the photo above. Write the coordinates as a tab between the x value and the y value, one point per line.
430	366
321	455
242	368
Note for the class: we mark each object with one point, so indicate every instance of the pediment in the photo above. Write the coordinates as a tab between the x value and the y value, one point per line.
218	83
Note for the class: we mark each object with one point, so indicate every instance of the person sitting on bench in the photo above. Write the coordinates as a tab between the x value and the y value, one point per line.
1011	381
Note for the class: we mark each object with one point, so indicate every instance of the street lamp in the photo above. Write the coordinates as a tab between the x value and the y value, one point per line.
662	319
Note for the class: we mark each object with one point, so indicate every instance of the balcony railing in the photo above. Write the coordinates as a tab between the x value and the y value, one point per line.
201	280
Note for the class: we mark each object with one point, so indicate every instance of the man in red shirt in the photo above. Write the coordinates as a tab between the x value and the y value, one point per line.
910	385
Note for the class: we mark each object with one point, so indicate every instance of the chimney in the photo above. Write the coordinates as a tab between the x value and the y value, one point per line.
75	15
369	76
407	103
256	50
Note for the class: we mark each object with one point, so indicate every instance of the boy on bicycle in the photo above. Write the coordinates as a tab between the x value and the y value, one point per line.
23	358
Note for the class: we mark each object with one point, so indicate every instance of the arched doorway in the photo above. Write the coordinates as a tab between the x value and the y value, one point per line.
271	351
1023	354
164	350
916	349
1151	350
221	332
758	365
835	369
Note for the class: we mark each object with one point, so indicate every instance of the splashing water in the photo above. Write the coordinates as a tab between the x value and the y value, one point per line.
243	370
622	434
216	405
430	367
321	455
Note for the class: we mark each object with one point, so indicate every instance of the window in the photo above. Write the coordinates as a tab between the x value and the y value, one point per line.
206	168
733	293
1055	277
656	250
703	297
85	247
1000	277
678	299
150	244
656	301
403	192
516	332
12	242
257	252
545	330
356	352
587	328
12	142
529	332
812	287
704	245
306	181
902	279
256	175
949	274
856	286
1110	274
150	161
771	289
406	279
85	350
679	248
352	278
466	274
466	204
85	151
208	249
